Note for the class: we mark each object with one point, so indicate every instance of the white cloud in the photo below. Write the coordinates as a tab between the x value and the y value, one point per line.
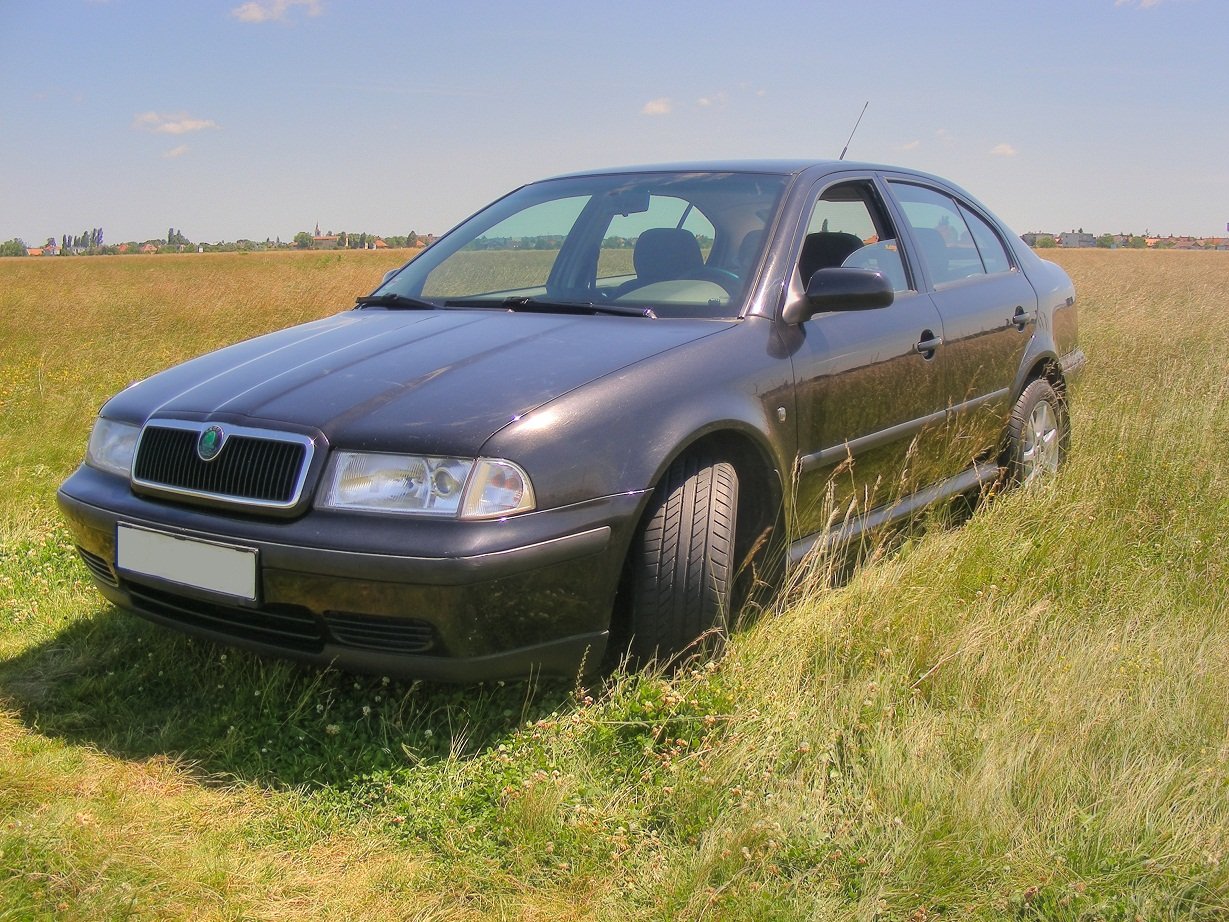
176	152
912	145
171	124
272	10
659	106
1003	150
716	99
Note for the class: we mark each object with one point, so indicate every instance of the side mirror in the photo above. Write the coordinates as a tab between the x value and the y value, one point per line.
841	289
388	276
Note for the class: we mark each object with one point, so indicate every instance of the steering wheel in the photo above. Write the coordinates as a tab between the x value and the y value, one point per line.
723	277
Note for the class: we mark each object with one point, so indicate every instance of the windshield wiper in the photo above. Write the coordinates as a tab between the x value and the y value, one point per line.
392	299
576	307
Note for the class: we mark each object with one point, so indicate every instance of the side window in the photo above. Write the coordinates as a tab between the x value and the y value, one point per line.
993	254
943	237
849	227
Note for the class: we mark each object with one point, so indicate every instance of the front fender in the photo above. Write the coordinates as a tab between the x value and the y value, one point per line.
618	434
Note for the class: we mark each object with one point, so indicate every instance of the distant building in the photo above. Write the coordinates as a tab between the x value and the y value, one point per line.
323	241
1076	240
1032	237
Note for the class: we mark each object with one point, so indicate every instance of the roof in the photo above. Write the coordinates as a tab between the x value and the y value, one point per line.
784	167
790	168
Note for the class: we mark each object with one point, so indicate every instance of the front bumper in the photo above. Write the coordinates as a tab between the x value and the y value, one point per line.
456	601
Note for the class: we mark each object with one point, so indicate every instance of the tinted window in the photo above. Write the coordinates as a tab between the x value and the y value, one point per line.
615	258
517	253
993	254
943	237
681	243
848	227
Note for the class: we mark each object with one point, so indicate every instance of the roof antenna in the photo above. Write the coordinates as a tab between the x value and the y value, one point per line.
855	128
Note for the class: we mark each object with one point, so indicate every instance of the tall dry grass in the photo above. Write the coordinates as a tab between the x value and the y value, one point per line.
77	330
1026	716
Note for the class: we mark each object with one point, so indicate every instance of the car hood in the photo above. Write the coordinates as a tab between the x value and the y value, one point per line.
438	381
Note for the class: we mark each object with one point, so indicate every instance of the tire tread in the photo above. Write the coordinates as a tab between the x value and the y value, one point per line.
683	559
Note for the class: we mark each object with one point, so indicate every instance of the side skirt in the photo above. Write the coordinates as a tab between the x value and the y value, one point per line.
965	482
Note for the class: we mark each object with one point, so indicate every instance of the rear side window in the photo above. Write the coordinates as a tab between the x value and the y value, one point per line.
993	254
947	245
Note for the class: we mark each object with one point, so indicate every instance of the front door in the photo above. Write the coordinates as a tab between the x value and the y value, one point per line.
869	383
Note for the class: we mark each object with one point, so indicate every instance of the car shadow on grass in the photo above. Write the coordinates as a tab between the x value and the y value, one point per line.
119	684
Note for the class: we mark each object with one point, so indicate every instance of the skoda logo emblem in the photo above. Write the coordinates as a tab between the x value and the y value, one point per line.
209	445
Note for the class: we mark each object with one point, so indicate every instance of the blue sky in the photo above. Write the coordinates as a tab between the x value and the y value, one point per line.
257	119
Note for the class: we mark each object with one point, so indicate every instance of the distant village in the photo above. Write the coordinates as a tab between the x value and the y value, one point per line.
1078	239
91	243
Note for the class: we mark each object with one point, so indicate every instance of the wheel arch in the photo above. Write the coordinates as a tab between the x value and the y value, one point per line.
1047	367
761	492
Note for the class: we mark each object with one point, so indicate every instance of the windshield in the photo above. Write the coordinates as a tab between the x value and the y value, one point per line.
656	244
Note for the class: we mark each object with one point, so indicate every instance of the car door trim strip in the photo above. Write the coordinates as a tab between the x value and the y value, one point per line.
968	480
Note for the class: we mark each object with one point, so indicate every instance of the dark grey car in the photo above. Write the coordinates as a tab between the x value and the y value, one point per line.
578	416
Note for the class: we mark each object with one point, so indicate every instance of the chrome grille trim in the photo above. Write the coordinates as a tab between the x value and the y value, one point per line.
261	468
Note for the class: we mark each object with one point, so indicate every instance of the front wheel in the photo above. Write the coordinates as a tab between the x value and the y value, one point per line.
1037	434
682	563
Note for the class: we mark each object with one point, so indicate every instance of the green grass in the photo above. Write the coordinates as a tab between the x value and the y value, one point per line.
1023	717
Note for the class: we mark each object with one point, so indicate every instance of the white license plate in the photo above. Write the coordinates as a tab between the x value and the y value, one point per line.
220	568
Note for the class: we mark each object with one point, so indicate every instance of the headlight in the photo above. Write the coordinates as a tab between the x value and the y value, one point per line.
112	446
422	485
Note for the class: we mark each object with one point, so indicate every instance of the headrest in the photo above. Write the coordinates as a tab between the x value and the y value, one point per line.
825	250
934	251
666	253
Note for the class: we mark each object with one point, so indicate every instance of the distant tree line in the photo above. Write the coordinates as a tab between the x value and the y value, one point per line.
1105	242
91	243
345	240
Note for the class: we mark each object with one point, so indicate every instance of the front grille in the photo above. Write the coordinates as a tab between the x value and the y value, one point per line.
99	568
254	467
373	633
285	626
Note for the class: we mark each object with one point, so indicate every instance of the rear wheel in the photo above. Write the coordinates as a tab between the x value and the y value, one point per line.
1037	433
682	567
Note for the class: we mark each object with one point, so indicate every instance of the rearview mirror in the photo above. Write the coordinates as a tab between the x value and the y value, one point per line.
629	201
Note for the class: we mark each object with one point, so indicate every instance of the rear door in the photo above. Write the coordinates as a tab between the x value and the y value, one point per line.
988	310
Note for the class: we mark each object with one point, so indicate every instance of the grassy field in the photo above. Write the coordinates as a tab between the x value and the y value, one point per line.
1023	717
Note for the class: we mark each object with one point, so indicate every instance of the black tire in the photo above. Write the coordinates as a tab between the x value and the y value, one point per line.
1038	434
682	563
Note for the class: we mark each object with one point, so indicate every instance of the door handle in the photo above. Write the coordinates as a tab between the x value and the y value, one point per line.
1020	319
927	344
